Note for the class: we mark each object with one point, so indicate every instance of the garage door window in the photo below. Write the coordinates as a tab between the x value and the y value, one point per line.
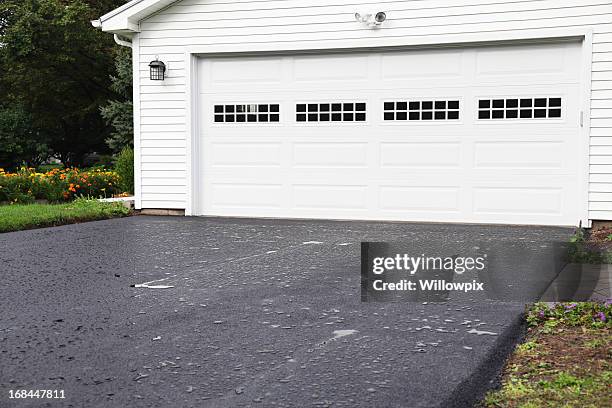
247	113
331	112
519	108
421	110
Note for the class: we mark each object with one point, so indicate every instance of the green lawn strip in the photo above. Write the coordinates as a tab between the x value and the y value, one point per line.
565	360
28	216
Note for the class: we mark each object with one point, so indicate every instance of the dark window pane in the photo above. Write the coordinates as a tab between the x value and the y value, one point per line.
414	105
240	118
300	107
274	108
426	116
274	117
324	117
336	117
348	117
218	108
240	108
512	103
389	105
313	117
229	108
554	113
252	118
218	118
348	107
401	115
453	115
413	116
540	102
313	107
440	115
426	105
539	113
388	116
484	104
300	117
361	107
554	102
512	114
440	104
453	104
402	106
360	116
336	107
230	118
498	103
526	113
526	103
262	108
262	117
484	114
498	114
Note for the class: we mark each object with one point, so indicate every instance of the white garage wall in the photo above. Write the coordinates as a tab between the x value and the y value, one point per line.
169	33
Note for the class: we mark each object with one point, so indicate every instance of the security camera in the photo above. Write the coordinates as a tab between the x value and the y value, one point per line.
371	19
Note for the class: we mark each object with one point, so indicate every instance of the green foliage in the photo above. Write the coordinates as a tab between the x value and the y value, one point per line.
57	67
19	143
564	362
124	167
20	217
551	316
580	252
119	113
56	185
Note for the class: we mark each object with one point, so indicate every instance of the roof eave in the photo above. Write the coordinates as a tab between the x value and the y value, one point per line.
125	19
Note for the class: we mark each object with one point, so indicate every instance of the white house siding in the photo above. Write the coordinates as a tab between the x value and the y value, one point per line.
189	23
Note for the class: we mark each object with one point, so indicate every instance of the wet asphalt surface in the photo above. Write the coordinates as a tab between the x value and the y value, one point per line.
261	313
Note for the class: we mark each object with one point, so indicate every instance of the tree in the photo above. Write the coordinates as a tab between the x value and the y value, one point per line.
119	113
19	142
56	67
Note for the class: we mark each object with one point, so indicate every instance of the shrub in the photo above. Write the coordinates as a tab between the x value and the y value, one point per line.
124	167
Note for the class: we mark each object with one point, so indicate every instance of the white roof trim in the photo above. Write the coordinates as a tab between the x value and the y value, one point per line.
124	20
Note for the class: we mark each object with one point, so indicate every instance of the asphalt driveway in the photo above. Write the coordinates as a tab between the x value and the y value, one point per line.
237	313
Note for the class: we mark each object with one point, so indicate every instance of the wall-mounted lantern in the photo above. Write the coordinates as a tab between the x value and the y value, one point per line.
158	70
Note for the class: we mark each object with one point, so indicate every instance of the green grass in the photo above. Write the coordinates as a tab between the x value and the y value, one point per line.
565	360
28	216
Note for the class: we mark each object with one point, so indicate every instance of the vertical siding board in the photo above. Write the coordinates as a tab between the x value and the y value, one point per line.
161	109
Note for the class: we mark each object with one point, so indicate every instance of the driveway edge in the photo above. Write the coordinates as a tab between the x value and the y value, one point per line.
488	374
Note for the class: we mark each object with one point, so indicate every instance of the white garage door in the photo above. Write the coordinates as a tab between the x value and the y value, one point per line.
486	134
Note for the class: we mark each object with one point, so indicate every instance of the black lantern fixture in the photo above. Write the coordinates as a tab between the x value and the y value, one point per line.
158	70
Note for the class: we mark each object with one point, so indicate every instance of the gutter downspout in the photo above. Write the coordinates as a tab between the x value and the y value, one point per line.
121	42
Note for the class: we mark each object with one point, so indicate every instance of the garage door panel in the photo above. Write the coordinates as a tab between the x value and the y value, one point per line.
417	66
243	154
467	169
420	154
541	62
321	154
332	196
245	195
513	155
330	68
519	200
419	198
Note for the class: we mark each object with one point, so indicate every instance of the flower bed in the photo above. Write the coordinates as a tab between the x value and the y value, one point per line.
27	186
